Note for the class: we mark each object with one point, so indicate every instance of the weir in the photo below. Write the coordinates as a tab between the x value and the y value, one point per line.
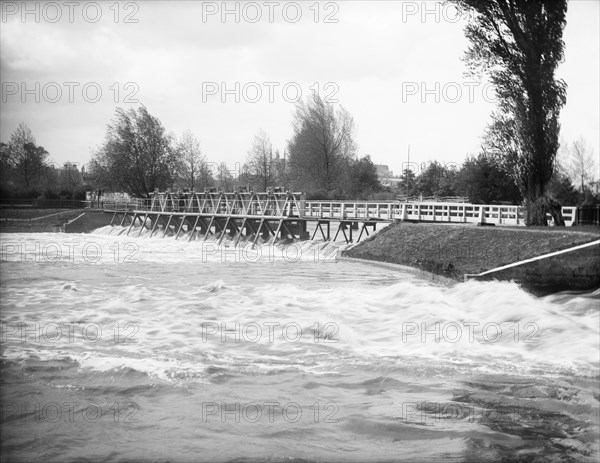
273	215
276	214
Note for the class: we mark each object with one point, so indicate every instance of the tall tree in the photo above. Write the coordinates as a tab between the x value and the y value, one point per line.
191	165
519	44
138	155
18	139
322	144
260	168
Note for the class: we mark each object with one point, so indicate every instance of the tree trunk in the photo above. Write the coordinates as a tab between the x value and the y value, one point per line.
536	210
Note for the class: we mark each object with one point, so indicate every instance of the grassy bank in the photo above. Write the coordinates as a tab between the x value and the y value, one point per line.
27	220
452	250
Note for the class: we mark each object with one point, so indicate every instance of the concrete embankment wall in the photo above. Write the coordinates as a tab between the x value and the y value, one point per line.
577	268
87	222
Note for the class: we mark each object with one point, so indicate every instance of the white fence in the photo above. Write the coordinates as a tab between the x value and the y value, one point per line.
386	211
426	212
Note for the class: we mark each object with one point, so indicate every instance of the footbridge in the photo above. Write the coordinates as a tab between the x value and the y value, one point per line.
275	215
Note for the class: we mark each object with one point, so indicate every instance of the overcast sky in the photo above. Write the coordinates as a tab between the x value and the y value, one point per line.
395	66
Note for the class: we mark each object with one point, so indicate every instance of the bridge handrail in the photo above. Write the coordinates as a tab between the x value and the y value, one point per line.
288	204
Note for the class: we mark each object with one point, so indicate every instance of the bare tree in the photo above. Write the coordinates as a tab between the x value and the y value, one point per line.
225	179
192	167
260	166
582	162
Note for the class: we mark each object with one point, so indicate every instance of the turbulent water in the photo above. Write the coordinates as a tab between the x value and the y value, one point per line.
119	348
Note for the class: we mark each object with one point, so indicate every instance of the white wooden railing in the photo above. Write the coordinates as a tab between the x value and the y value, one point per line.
385	211
426	212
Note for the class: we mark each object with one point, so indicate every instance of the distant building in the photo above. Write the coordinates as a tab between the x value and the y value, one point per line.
386	176
383	171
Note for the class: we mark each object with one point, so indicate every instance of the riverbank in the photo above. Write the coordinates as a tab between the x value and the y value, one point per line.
35	220
452	251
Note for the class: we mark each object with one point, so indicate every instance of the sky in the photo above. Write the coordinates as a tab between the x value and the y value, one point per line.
227	70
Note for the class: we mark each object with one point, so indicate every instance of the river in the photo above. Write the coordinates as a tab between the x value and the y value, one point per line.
119	348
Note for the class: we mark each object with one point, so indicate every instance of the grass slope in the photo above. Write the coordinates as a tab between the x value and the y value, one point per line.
453	250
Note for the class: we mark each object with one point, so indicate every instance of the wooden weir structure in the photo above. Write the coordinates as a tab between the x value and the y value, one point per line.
277	215
272	216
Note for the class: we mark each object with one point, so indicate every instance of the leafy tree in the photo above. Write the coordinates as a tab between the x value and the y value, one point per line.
138	155
18	139
484	181
362	179
30	165
561	188
408	183
321	146
518	43
436	180
70	182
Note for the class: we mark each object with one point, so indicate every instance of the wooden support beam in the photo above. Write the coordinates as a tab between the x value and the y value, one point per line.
250	225
239	233
268	227
277	232
212	219
143	224
167	226
194	228
342	227
183	219
125	215
288	230
132	222
158	219
262	221
224	230
113	219
317	228
364	228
